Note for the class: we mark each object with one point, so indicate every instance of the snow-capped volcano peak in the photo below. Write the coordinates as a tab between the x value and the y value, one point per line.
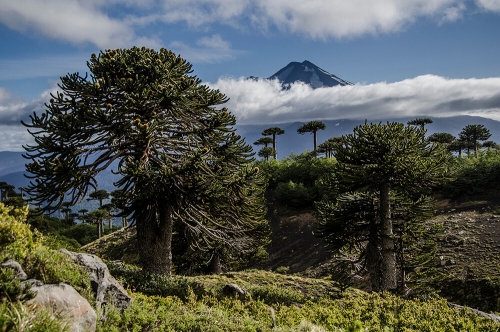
308	73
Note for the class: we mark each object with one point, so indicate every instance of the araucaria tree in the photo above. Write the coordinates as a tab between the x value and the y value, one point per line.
273	131
176	152
380	169
312	127
472	134
420	122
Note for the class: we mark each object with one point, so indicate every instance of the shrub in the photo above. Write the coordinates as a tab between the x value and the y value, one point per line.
16	238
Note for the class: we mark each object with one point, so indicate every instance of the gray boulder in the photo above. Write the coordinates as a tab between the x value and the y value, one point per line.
64	302
20	274
107	289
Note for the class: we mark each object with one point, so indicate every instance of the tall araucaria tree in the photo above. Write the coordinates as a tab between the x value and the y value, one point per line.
312	127
422	122
273	131
141	113
373	164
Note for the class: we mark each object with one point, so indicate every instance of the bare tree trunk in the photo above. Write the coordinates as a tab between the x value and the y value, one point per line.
99	226
154	239
388	264
215	265
373	258
274	147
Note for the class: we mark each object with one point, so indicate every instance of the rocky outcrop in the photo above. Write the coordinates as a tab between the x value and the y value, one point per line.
64	302
107	289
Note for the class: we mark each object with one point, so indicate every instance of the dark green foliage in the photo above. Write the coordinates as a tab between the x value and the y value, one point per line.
11	288
296	177
483	294
475	176
443	138
295	194
265	153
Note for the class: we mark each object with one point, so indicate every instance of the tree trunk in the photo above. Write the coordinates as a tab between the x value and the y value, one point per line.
110	223
215	266
154	239
274	147
388	264
373	258
99	225
315	142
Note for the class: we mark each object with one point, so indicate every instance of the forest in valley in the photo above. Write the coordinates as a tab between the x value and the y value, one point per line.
403	220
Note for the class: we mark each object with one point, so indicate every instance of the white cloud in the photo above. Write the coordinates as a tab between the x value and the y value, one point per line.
262	102
210	50
75	21
215	41
92	21
491	5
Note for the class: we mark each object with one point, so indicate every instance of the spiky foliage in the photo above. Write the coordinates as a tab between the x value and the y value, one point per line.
263	141
373	164
473	134
312	127
144	114
273	131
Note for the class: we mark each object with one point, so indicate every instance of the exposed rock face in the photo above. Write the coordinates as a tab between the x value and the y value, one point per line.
20	274
64	302
108	290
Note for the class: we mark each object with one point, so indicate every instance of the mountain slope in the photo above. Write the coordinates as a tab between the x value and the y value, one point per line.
308	73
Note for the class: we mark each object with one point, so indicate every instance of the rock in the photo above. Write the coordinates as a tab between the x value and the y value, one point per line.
233	289
20	274
493	317
63	301
107	289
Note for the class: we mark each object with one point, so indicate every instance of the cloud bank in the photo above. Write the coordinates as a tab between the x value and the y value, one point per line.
264	102
92	21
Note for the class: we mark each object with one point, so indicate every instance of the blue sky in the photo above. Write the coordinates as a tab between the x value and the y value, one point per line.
407	58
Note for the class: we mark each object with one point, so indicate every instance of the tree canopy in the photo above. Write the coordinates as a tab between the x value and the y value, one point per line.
141	113
473	134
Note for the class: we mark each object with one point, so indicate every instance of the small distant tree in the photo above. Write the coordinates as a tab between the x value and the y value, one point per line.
266	152
6	190
328	147
443	138
97	217
312	127
274	131
490	145
99	195
119	201
422	122
473	134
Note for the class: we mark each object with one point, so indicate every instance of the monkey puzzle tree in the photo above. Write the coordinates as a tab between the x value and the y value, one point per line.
312	127
420	122
273	131
375	162
141	113
474	133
